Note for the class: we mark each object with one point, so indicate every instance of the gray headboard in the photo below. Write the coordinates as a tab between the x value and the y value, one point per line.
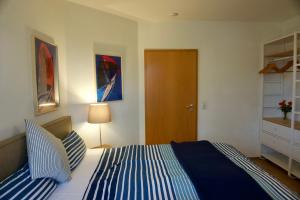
13	153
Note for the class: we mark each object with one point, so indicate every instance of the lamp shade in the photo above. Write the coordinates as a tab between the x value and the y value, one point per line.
99	113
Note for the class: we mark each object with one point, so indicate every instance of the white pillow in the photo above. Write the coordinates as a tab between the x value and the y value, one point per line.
47	155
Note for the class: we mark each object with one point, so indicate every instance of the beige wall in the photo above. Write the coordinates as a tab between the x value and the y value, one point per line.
291	25
89	31
18	19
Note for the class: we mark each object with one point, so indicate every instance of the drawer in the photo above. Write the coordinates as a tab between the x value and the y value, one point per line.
283	132
280	131
296	152
276	143
269	127
268	139
282	146
297	137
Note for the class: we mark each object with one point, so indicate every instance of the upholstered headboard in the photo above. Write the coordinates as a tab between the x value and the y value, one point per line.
13	153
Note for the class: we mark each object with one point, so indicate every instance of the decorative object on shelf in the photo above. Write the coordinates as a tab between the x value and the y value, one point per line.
45	75
108	78
288	65
273	68
285	107
98	114
270	68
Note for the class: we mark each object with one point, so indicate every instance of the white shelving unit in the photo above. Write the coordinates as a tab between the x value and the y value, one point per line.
280	139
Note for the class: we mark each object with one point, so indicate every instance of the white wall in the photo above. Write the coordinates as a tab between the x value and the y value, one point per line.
77	31
18	19
229	61
89	31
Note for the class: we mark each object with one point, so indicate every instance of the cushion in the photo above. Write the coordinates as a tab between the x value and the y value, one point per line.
75	148
47	156
20	186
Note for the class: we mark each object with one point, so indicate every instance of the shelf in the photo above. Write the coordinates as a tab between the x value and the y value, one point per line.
282	122
277	158
281	54
281	160
281	40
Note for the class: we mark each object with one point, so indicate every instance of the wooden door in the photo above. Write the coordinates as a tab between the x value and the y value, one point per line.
170	95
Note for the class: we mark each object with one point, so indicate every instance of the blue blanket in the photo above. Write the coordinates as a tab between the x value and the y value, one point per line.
153	172
214	175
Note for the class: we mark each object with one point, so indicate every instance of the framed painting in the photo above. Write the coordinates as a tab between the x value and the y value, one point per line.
108	78
45	73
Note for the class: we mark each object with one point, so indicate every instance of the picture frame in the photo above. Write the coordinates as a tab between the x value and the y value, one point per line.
45	74
109	79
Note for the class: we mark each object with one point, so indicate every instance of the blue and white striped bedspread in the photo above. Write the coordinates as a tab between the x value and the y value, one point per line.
272	186
153	172
140	172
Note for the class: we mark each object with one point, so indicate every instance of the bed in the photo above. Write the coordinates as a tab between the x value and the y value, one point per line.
198	170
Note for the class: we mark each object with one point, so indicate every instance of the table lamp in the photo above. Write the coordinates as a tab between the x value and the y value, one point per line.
98	114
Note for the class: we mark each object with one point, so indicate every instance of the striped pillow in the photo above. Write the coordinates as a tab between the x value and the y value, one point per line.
75	148
20	186
47	156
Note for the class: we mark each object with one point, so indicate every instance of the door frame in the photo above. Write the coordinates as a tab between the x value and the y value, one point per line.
197	88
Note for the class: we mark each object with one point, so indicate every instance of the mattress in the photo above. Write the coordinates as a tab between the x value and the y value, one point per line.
75	188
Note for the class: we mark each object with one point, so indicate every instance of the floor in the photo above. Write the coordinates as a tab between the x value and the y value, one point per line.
280	174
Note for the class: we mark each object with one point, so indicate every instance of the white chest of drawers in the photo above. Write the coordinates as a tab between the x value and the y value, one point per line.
276	137
285	142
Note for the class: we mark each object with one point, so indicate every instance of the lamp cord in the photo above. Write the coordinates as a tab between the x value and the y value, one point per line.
100	136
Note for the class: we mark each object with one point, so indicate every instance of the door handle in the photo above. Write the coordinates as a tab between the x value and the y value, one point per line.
190	107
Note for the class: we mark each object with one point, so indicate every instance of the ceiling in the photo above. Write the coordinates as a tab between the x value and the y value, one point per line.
194	10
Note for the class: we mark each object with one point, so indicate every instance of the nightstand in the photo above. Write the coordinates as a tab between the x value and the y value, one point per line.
105	146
